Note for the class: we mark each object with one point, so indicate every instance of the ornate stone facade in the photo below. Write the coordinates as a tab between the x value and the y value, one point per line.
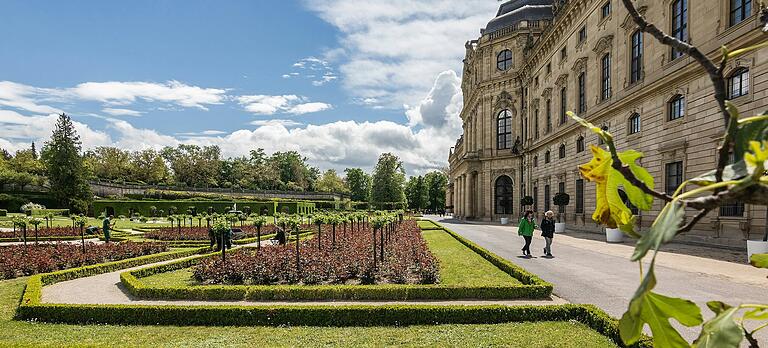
588	59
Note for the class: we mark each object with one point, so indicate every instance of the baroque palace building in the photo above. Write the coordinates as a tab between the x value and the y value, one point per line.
538	59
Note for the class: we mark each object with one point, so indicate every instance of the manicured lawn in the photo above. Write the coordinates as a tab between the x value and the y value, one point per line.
539	334
458	266
427	225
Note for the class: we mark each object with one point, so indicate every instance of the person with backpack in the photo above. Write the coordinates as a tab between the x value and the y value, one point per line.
525	228
548	231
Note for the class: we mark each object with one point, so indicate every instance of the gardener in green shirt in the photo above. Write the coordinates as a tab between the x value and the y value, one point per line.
106	227
525	229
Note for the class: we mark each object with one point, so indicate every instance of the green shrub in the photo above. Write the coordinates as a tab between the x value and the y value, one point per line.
3	212
43	212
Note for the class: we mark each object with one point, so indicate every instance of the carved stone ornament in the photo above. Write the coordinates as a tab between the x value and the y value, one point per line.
628	23
546	93
603	44
579	65
561	80
503	101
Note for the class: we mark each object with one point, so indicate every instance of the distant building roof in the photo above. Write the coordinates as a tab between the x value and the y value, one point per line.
514	11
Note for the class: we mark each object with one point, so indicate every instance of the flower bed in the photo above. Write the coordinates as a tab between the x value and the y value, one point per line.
42	232
198	233
407	260
17	260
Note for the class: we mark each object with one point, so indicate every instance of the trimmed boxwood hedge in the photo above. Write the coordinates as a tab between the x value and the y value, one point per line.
532	287
3	212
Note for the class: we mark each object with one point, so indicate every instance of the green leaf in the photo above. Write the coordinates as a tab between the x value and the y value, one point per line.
636	195
756	314
731	172
749	132
717	306
655	310
662	230
720	332
759	260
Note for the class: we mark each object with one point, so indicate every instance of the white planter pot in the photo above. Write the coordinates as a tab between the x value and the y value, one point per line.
613	235
756	247
559	227
504	221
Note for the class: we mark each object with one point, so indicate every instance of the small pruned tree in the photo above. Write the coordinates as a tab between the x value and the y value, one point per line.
561	199
526	201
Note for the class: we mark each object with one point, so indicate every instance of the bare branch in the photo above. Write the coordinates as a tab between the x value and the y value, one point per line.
693	221
627	173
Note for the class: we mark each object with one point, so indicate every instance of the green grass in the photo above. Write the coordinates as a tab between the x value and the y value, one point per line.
427	225
458	266
536	334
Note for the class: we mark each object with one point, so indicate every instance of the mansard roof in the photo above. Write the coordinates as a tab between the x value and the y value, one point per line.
514	11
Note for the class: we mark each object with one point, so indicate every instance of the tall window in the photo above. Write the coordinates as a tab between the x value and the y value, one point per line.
583	34
504	130
600	139
605	77
738	83
580	144
561	189
546	157
676	107
535	161
605	11
563	105
740	10
674	176
579	196
535	198
732	208
563	53
546	198
582	93
536	124
679	23
561	151
634	123
503	193
549	115
504	60
549	68
636	64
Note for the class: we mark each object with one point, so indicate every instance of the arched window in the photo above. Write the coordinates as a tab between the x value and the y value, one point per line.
563	105
503	195
504	60
580	144
546	157
636	61
561	151
676	108
634	123
679	24
582	80
504	130
605	76
738	83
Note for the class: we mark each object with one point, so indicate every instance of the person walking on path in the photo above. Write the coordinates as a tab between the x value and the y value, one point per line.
548	231
525	228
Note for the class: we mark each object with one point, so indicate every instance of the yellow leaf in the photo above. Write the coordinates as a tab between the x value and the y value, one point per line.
611	210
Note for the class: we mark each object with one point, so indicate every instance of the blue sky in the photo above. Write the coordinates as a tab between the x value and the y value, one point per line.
339	80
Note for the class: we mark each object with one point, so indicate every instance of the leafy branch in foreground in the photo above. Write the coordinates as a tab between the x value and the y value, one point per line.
745	181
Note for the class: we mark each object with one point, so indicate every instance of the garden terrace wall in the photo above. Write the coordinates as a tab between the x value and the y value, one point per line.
125	207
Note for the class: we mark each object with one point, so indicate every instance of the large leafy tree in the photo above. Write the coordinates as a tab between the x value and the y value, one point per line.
358	183
436	182
194	165
388	182
294	171
148	166
416	191
330	181
66	171
110	163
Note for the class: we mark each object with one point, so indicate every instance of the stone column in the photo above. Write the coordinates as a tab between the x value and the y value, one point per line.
468	195
457	197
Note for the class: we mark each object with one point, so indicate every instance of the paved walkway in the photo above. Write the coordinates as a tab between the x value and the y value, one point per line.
599	273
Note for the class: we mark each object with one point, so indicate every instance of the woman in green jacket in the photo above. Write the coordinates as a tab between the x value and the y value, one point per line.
525	229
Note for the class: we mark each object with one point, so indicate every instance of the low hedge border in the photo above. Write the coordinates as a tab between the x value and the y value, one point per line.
512	269
532	287
329	316
31	238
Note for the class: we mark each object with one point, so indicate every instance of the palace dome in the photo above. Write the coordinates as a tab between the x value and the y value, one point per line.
514	11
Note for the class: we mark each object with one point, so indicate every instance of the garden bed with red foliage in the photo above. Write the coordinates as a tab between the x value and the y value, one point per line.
18	260
199	233
407	260
42	232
